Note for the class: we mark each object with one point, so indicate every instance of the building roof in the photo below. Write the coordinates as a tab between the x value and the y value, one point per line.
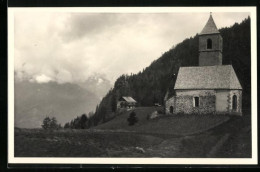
210	27
129	99
207	77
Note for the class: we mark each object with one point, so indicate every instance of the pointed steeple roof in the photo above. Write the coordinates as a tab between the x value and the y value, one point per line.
210	27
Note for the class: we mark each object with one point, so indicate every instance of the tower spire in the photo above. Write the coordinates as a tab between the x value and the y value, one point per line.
210	44
210	26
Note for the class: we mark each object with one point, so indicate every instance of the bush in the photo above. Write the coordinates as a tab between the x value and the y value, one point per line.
132	119
50	123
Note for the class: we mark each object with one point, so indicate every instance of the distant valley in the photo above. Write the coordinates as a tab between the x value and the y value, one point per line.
34	101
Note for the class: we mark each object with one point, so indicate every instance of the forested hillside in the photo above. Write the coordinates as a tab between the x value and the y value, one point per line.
150	85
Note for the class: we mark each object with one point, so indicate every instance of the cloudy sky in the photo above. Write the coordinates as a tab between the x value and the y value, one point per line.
70	47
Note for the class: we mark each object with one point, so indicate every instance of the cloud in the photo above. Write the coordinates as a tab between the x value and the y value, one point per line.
42	78
80	25
64	76
71	47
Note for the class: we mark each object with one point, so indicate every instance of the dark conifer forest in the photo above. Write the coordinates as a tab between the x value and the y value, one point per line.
150	85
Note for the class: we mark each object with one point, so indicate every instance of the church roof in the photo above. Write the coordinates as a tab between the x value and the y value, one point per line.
207	77
210	27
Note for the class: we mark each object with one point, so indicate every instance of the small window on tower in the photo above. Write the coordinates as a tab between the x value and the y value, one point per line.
196	102
209	44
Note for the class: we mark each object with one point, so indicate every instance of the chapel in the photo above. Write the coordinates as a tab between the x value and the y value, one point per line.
210	88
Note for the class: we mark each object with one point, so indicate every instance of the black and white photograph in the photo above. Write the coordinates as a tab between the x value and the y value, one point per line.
159	85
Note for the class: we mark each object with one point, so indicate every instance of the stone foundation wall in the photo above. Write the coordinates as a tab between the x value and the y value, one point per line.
183	102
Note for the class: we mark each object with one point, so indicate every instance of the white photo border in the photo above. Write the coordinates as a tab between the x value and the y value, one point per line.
75	160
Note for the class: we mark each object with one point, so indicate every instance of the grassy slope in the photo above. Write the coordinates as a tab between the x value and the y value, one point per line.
79	143
187	136
228	140
239	141
174	125
120	121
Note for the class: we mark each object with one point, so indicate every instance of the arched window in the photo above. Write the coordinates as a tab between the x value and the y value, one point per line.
209	44
171	109
196	101
234	102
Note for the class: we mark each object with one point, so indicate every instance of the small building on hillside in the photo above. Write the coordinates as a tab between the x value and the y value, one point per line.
210	87
126	103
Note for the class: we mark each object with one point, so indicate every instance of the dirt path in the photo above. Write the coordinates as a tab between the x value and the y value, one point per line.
218	146
235	141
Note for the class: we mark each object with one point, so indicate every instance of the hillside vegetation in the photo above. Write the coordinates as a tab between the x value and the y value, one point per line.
183	137
177	125
150	85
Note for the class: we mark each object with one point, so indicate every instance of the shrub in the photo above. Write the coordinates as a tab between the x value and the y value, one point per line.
132	119
50	123
46	123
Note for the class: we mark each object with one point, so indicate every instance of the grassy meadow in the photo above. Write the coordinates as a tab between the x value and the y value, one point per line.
181	136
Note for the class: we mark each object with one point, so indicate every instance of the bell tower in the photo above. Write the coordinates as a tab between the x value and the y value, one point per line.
210	45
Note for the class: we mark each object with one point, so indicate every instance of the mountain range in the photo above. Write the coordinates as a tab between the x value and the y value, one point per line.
34	101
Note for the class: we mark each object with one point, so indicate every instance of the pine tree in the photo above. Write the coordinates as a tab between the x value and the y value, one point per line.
132	119
83	121
113	103
53	123
46	123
